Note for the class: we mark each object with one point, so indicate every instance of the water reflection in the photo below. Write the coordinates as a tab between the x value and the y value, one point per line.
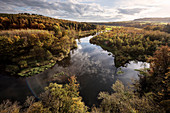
94	68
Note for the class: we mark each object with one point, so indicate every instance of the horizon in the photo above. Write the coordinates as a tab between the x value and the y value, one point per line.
90	10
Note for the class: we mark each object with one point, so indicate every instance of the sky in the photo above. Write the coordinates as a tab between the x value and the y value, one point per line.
90	10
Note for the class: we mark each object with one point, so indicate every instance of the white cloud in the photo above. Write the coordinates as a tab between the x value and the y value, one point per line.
90	10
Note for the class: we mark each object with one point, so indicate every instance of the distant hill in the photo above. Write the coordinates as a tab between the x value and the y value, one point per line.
136	24
166	20
161	24
139	23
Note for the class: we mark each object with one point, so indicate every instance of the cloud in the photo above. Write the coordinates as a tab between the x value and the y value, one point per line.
65	9
89	10
130	11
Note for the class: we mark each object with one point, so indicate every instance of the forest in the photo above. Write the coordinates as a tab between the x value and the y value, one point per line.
30	43
129	44
143	97
34	21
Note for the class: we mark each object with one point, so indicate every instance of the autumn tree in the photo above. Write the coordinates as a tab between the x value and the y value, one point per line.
41	26
124	100
57	98
156	82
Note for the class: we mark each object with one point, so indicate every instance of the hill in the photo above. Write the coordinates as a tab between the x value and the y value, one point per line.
165	20
34	21
161	24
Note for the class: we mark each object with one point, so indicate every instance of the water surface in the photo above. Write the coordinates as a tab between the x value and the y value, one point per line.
93	67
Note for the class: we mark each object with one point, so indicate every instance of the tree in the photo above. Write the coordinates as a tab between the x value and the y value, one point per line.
124	100
64	99
41	26
103	27
9	107
156	81
160	70
167	28
57	98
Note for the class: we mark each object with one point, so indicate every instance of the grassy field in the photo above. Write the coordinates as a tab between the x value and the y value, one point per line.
110	27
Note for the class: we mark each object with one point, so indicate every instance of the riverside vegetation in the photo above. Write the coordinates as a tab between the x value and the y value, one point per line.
42	41
29	44
145	97
129	44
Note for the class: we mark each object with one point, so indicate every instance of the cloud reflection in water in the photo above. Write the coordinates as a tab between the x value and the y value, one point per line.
94	69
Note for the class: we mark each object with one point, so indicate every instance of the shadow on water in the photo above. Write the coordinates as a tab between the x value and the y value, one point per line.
94	68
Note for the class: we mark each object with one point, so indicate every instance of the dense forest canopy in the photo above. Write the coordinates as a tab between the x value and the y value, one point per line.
25	49
129	44
33	21
31	43
152	89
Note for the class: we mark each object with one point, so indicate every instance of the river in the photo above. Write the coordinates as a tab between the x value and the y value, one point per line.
93	67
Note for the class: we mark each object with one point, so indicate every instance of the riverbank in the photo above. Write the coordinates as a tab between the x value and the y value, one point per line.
94	68
86	33
29	52
128	44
